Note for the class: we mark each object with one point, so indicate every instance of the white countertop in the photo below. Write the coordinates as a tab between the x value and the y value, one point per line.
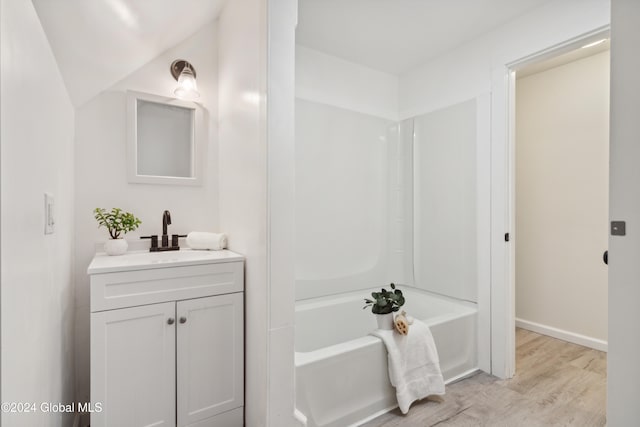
144	260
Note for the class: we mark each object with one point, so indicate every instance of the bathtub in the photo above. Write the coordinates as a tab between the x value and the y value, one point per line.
341	371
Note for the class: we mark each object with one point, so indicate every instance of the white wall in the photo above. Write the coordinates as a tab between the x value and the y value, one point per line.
344	116
562	178
445	187
101	170
243	180
342	205
256	192
330	80
281	18
37	280
623	370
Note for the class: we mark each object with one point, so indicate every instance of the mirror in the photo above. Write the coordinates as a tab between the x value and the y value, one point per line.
165	140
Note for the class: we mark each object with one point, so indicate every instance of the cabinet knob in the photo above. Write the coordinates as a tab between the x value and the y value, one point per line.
170	320
183	319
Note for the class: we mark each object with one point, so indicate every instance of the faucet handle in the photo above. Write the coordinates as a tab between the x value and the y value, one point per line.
174	239
154	240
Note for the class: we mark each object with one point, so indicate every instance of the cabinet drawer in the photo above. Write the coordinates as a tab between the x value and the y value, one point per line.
132	288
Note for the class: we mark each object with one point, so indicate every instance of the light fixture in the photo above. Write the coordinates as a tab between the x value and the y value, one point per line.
185	74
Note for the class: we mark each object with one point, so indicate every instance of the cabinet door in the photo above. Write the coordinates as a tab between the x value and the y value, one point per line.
210	358
133	366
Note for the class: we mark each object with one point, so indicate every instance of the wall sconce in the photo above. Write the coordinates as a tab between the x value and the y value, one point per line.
185	74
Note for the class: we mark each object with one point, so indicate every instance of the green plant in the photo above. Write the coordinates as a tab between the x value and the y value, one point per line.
116	221
385	302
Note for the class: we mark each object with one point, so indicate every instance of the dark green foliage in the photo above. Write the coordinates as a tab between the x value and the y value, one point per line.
385	302
116	221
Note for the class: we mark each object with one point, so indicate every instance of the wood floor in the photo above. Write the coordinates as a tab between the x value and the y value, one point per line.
556	384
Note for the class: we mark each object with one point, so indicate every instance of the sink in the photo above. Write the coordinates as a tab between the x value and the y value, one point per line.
141	260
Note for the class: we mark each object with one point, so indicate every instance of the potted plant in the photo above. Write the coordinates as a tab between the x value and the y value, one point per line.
118	223
384	304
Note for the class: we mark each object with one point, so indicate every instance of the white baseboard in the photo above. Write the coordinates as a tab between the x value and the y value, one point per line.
572	337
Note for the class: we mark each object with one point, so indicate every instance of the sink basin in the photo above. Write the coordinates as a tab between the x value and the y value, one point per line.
142	260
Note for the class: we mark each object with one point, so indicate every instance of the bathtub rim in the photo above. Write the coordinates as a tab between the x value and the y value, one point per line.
321	301
462	309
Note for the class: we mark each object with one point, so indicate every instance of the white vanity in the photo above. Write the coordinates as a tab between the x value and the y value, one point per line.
167	341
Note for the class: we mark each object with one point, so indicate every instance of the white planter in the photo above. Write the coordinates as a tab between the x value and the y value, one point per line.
385	321
115	246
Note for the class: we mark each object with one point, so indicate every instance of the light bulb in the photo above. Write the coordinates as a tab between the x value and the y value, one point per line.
187	87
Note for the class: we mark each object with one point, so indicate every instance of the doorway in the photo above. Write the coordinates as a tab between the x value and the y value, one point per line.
560	194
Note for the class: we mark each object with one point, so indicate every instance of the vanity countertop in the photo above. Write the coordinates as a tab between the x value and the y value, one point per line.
144	260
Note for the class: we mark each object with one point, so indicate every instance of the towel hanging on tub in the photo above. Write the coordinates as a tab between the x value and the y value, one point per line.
414	367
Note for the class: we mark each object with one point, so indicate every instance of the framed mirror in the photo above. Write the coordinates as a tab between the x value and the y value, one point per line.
165	140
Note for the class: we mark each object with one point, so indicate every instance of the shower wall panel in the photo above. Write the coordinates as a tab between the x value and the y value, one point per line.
342	198
445	194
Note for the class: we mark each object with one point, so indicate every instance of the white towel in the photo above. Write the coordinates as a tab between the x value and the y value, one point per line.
414	367
203	240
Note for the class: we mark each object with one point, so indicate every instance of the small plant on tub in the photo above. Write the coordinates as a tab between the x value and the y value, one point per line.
385	302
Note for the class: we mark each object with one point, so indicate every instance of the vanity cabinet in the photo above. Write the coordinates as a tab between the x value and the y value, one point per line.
167	340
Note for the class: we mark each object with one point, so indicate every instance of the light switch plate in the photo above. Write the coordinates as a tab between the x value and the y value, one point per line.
49	220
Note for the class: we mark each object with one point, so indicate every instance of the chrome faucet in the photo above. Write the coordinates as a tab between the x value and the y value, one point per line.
166	220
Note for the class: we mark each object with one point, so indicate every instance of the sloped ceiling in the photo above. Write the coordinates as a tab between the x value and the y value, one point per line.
396	35
98	42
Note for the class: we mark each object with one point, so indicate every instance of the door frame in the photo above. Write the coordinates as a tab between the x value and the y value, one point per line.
503	344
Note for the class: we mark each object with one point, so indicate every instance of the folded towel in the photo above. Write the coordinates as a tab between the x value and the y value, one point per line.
414	367
203	240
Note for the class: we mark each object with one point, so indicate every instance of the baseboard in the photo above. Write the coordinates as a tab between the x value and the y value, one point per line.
572	337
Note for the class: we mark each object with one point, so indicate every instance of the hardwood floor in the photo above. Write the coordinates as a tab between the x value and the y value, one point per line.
556	384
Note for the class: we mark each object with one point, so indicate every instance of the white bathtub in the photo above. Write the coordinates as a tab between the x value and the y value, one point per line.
341	371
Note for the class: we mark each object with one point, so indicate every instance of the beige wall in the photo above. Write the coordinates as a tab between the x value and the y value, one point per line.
562	143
